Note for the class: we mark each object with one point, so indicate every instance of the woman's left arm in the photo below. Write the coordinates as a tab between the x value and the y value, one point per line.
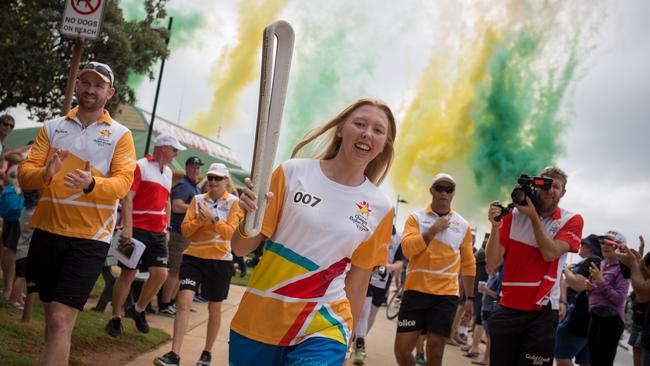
615	288
356	286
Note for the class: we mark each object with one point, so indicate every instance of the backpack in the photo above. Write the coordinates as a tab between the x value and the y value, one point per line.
11	204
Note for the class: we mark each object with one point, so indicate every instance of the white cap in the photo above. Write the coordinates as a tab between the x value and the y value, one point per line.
443	177
615	235
218	169
168	140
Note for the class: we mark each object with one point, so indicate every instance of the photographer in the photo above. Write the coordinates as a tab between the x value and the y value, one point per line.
533	240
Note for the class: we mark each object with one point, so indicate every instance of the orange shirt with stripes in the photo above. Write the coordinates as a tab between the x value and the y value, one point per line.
434	266
108	146
209	239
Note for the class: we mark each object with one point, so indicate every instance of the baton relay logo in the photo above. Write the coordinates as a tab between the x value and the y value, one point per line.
361	217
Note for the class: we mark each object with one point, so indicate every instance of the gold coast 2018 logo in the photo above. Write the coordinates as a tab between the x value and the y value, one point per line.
360	218
104	138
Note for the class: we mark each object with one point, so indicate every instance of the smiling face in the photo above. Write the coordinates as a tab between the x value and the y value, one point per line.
193	171
216	185
93	92
363	134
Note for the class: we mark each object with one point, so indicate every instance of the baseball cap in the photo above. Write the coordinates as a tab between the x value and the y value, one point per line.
593	243
104	71
169	140
193	160
613	234
218	169
443	177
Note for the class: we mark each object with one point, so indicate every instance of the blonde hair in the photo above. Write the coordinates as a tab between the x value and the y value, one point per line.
329	143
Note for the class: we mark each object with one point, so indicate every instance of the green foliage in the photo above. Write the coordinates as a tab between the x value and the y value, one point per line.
35	58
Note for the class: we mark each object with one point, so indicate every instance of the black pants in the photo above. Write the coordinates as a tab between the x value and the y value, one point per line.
109	281
519	338
604	334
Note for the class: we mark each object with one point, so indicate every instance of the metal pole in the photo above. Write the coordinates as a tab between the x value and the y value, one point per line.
155	100
72	75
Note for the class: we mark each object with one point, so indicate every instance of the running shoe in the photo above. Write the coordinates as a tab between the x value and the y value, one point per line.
168	359
168	310
114	327
419	359
359	356
199	298
139	318
205	360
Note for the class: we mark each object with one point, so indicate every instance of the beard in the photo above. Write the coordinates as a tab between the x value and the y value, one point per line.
547	203
88	104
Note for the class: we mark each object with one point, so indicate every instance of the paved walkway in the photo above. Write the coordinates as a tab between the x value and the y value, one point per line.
379	342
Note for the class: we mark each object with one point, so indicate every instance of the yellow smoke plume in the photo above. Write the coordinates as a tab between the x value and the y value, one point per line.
237	67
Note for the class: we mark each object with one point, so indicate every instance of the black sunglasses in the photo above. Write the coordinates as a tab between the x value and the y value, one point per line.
441	189
101	70
215	178
10	125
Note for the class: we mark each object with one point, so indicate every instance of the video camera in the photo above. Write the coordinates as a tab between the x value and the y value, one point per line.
526	187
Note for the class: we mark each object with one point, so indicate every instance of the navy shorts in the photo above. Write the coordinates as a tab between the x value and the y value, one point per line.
64	269
427	313
569	346
212	276
378	295
155	252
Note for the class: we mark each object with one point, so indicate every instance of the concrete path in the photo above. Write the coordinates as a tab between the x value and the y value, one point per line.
379	343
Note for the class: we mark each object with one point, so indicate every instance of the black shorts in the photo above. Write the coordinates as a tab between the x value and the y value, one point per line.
64	269
476	307
521	337
427	313
21	267
378	295
10	234
211	275
155	252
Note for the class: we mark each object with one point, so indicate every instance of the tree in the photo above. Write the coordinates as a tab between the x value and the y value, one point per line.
35	58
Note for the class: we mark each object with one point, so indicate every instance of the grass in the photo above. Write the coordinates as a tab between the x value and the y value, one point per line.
242	281
22	342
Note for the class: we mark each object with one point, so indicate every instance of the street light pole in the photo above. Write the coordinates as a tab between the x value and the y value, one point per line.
397	208
155	100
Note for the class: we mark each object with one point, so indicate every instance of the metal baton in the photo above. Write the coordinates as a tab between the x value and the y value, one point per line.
273	92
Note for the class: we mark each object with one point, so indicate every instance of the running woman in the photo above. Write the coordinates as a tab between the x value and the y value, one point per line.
326	227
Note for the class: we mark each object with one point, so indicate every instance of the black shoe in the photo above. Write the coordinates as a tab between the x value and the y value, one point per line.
205	360
168	359
139	319
114	327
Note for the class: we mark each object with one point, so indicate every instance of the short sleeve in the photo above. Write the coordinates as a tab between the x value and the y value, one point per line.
504	230
137	178
571	233
374	251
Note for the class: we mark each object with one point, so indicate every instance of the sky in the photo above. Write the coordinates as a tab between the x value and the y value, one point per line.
484	90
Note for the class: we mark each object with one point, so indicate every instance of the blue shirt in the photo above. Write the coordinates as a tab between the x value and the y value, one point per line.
184	190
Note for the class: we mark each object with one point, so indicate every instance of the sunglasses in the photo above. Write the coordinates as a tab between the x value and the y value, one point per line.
10	125
101	70
441	189
215	178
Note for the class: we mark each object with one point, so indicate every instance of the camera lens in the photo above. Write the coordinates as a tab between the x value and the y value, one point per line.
518	196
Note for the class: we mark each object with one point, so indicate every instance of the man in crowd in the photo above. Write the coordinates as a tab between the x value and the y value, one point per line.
438	243
83	163
182	195
533	240
145	212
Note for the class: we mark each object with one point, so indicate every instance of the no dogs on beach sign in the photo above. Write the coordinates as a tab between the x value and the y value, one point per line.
83	18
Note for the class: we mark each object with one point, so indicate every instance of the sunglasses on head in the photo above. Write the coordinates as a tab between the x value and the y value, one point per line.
101	70
215	178
7	124
441	189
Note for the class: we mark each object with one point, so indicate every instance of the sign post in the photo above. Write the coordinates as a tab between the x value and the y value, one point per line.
82	19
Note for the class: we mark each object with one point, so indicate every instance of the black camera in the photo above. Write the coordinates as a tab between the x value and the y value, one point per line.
526	187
